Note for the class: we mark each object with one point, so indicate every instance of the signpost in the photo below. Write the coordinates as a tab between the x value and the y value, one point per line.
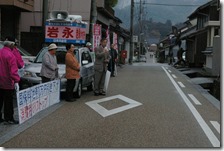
65	32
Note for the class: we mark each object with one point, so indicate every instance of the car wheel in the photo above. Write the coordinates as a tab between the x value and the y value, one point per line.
78	92
91	86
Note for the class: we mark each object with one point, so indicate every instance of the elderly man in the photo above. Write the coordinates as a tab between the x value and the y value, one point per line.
100	66
9	80
49	69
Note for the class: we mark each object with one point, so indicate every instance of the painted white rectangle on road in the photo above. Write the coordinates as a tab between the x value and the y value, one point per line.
104	112
193	98
216	126
181	84
169	71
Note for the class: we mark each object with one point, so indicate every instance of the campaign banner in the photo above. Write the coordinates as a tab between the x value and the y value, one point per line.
115	40
32	100
108	38
64	32
96	35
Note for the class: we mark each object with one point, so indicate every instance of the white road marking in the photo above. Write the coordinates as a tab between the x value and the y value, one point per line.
216	126
169	71
174	76
194	99
208	132
181	84
104	112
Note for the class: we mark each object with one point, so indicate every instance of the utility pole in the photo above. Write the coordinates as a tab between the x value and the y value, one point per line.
131	32
140	24
44	16
93	19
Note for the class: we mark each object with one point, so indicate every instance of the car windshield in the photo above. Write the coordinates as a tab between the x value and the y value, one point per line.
60	54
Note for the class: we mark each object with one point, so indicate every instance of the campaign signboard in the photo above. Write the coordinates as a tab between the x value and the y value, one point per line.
32	100
96	35
65	32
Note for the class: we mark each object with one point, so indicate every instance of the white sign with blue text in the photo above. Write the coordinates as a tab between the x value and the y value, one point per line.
32	100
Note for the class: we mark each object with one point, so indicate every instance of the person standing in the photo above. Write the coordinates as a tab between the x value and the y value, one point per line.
111	65
100	65
9	79
15	51
49	69
89	45
72	71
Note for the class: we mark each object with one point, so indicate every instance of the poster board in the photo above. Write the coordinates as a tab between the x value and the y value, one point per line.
32	100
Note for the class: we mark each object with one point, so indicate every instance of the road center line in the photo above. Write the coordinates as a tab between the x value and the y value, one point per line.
208	132
216	126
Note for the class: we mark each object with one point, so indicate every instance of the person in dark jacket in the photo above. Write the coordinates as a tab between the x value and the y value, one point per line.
111	65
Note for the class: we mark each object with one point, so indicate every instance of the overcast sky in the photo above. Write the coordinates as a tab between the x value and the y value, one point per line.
124	3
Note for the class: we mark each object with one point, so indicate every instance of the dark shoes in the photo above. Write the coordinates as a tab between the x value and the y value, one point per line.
9	122
96	94
102	93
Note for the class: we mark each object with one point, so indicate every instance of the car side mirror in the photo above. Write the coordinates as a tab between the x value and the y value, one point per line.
84	62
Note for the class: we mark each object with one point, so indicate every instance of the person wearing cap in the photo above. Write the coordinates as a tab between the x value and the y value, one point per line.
72	71
9	79
49	69
89	45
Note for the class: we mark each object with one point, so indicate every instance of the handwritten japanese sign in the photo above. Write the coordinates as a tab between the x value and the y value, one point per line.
32	100
65	32
96	35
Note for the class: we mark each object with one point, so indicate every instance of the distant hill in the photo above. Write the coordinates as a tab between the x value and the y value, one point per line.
157	19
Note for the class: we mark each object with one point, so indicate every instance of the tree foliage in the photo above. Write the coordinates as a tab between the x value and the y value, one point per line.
111	3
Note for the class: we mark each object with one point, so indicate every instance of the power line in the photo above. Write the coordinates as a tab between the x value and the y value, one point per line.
169	4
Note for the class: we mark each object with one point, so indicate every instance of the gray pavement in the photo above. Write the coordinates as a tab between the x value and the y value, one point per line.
146	107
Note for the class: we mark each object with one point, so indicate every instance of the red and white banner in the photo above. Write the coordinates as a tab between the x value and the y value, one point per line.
96	35
115	40
108	38
65	32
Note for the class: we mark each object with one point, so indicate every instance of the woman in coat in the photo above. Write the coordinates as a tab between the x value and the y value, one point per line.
49	69
72	71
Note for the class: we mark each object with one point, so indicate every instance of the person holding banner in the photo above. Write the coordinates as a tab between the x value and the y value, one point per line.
72	71
49	69
9	79
100	65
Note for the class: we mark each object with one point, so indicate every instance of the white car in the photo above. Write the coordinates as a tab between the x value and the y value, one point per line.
32	71
142	58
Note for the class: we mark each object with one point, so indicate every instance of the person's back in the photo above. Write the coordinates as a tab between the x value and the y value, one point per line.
8	70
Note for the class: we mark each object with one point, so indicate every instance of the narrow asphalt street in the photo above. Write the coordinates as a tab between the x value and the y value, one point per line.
148	105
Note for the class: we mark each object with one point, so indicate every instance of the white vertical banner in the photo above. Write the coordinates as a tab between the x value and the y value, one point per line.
115	40
96	35
108	38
